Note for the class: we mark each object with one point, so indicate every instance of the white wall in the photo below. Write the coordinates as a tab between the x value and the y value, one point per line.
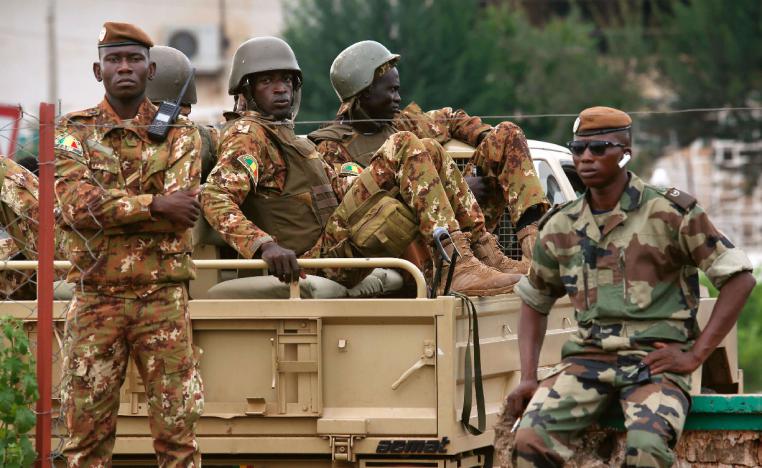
24	51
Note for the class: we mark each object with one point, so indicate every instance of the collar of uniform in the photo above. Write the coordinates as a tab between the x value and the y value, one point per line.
267	119
109	120
630	200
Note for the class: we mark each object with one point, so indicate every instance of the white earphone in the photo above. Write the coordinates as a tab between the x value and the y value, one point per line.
625	159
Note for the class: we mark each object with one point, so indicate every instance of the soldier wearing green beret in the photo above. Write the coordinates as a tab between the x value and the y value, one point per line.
127	203
628	256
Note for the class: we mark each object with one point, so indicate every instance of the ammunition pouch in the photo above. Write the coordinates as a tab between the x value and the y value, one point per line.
381	226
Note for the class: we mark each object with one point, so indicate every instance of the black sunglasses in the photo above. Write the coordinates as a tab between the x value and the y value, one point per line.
597	147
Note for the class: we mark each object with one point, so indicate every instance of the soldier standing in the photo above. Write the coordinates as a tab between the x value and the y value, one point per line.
627	254
127	205
272	194
366	79
19	211
172	70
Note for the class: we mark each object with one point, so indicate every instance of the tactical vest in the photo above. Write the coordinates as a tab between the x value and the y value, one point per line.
208	152
297	216
364	146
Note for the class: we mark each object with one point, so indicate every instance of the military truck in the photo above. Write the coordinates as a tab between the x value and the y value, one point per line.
304	376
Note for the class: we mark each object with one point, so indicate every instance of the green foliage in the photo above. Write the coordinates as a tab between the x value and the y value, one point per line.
18	391
489	61
749	336
709	55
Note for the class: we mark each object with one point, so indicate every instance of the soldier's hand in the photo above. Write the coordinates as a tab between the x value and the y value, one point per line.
671	358
478	188
281	262
181	208
519	398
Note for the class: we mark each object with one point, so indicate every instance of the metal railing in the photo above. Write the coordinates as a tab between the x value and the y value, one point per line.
384	262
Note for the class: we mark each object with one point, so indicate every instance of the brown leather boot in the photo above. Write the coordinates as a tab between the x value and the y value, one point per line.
487	250
471	277
527	236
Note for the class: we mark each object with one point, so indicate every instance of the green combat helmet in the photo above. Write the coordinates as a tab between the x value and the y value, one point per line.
172	69
352	70
262	54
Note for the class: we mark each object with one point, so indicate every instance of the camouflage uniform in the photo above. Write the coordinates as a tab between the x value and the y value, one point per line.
503	155
19	212
403	162
631	275
130	270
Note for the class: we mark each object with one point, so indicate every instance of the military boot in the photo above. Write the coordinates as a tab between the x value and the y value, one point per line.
471	277
487	250
527	236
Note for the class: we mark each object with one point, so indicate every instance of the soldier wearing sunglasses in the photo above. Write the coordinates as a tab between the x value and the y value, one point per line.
628	256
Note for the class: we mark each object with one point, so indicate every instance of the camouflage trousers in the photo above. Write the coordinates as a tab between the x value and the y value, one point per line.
102	332
418	169
579	389
504	159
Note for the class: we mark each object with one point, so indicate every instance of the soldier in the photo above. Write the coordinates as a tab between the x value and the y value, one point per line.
127	205
19	211
271	193
172	70
627	254
365	77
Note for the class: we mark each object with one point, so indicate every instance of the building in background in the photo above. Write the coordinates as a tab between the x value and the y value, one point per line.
207	30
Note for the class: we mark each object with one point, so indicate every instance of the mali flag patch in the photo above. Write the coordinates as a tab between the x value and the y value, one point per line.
70	144
251	166
350	169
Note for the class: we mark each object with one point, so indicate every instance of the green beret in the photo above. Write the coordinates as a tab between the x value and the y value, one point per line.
121	34
599	120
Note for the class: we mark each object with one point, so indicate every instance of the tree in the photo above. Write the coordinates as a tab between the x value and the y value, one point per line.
489	61
709	55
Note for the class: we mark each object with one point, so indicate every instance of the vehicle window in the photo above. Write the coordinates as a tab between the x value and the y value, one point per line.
549	182
576	182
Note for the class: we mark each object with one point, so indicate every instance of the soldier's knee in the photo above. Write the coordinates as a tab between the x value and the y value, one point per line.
435	150
508	129
647	449
530	449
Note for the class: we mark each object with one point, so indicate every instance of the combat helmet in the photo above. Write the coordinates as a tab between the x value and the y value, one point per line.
262	54
172	69
353	69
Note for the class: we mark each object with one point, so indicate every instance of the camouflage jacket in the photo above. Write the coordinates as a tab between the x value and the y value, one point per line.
19	211
631	273
231	180
107	173
441	125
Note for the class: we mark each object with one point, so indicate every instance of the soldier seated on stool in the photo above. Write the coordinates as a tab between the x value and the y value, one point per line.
272	194
628	256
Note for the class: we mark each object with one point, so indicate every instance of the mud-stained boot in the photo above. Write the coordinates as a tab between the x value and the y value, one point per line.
527	236
471	277
487	250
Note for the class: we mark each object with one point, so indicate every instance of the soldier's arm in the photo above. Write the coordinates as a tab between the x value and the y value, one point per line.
334	153
729	269
460	125
228	185
183	173
19	193
84	203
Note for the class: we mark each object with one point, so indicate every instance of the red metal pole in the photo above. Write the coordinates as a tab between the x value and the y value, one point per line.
45	246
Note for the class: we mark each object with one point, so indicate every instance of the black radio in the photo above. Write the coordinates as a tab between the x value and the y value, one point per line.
167	114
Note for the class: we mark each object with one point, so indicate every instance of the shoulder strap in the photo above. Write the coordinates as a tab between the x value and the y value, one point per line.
682	199
333	132
555	209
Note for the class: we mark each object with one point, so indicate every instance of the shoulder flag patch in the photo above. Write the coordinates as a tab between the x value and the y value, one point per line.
69	143
350	169
251	166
